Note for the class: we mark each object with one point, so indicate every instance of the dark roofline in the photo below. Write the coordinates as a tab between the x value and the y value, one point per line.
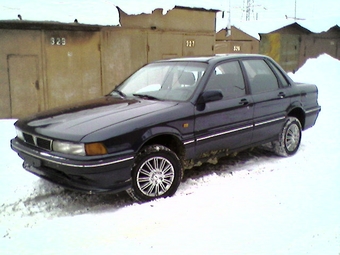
335	28
196	9
296	25
225	29
47	25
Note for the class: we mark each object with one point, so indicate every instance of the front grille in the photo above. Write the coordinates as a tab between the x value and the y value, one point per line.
38	141
28	138
44	143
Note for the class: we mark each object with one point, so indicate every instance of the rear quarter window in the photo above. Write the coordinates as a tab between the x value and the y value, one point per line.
283	80
261	77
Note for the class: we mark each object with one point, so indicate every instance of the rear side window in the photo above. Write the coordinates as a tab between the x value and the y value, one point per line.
282	79
228	78
261	77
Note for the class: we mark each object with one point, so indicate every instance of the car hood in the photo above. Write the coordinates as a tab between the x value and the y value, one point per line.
76	121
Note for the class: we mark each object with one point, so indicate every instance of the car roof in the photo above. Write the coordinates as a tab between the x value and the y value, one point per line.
214	58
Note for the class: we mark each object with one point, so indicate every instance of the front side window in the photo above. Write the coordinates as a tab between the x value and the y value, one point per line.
228	78
164	81
261	78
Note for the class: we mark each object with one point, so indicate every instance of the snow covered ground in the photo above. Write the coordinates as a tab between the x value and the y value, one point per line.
255	203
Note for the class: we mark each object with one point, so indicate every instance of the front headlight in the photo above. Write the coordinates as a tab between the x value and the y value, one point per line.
69	148
20	134
89	149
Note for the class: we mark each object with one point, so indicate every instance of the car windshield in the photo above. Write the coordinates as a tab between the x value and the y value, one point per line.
164	81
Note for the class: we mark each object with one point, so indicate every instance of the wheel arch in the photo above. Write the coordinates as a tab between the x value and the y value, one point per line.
170	140
298	113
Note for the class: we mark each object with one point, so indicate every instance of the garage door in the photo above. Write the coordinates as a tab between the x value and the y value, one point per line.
24	84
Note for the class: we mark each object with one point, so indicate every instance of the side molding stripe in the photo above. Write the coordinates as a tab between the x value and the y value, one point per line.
224	133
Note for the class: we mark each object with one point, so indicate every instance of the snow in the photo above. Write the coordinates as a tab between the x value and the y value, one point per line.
254	28
254	203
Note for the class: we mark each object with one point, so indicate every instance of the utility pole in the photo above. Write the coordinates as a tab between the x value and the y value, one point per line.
248	7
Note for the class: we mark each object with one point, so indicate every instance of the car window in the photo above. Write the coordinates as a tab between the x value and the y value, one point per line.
261	77
228	78
282	79
164	81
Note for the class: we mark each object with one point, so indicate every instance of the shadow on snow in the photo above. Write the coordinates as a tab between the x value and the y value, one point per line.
49	200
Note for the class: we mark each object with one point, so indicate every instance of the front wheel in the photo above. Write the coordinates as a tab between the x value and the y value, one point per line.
289	138
157	173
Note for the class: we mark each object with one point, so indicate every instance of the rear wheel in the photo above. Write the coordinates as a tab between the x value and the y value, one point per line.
157	173
289	139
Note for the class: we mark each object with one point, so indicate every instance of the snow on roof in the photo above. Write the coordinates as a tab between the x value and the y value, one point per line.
254	28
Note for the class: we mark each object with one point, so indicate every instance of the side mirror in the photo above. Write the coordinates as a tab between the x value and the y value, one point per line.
209	96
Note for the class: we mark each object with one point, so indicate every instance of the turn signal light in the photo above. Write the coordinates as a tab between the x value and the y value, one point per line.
93	149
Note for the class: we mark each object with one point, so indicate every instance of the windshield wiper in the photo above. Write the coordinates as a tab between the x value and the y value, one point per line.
118	92
145	96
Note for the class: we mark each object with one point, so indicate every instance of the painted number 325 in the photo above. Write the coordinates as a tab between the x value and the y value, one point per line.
58	41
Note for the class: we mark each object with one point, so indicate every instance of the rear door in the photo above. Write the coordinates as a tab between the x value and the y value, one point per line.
270	96
227	123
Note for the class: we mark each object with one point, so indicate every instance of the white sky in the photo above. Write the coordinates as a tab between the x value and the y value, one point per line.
103	12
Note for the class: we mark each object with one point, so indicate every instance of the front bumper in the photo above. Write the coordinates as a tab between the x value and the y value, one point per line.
87	174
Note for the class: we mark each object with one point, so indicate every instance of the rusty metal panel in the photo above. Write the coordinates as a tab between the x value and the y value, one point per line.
270	45
24	85
163	45
247	47
198	44
123	52
73	66
235	42
222	47
283	48
78	63
14	67
290	48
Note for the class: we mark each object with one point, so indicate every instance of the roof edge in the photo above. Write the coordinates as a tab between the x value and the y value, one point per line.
47	25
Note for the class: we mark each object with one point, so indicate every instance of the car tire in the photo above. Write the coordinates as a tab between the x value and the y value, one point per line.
289	138
157	173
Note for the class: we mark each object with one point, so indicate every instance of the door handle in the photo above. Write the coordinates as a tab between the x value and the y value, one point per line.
281	95
244	101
